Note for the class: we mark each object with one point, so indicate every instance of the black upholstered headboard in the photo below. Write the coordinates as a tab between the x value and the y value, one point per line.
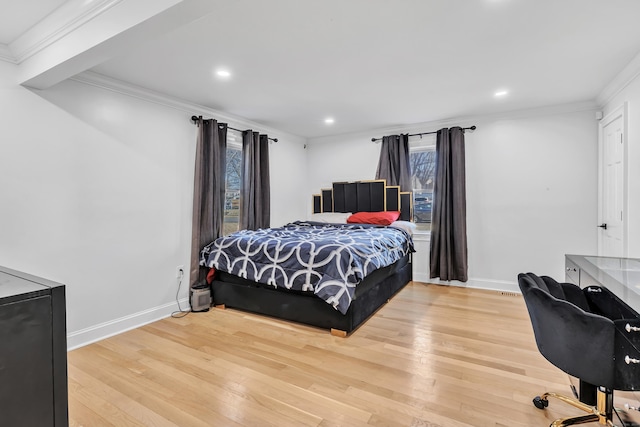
364	196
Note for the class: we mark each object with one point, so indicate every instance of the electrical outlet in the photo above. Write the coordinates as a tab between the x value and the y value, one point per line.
179	271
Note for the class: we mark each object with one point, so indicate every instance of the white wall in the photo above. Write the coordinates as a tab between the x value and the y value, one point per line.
631	95
531	189
96	193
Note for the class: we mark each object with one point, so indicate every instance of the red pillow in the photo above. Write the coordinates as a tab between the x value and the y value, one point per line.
379	218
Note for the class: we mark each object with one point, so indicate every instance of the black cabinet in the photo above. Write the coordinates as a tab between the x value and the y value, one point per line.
33	351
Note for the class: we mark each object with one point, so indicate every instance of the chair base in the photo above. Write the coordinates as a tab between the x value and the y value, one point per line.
602	412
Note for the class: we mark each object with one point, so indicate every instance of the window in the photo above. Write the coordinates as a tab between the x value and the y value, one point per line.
233	182
422	156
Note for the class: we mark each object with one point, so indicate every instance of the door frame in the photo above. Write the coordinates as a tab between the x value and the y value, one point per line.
619	112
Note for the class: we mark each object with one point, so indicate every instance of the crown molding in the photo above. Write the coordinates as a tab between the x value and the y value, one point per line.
547	110
465	121
135	91
6	55
62	21
619	82
114	85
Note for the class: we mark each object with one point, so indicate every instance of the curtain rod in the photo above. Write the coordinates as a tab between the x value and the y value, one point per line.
472	128
194	119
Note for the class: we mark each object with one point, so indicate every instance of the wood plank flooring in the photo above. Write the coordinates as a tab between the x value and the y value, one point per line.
433	356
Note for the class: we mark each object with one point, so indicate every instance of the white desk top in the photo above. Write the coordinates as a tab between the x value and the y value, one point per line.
620	275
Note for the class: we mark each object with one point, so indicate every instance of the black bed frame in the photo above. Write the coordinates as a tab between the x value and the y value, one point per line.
304	307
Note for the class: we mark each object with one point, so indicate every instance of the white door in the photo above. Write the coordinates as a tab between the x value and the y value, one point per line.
611	239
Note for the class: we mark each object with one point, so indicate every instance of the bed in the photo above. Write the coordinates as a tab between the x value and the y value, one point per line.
339	278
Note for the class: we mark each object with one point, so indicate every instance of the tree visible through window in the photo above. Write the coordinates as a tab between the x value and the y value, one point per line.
233	183
423	165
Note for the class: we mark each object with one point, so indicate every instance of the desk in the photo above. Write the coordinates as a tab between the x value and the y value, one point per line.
622	277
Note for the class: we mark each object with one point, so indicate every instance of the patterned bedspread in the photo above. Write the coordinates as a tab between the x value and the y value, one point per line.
328	259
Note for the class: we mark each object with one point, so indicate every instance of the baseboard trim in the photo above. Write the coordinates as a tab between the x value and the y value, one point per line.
487	284
104	330
108	329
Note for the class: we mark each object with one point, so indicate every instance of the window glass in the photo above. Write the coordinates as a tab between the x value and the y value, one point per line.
422	155
233	183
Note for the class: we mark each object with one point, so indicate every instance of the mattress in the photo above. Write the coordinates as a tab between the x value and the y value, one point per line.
329	260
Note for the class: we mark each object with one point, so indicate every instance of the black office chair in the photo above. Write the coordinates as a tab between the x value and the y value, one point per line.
588	333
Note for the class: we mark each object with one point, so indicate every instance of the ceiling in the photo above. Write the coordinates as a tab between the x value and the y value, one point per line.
373	64
19	16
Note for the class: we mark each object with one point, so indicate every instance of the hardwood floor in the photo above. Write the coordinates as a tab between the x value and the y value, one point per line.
433	356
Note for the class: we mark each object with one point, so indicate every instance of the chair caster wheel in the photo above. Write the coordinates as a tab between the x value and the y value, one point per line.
540	403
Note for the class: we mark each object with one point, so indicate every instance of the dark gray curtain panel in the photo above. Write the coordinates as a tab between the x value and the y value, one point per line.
394	163
208	191
448	258
255	203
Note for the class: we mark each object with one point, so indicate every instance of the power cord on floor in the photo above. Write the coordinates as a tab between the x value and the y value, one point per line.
627	421
623	424
573	390
180	313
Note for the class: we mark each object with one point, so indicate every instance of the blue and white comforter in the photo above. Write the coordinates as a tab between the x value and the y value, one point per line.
328	259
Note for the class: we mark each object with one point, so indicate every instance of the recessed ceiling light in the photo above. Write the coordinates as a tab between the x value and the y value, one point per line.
223	73
500	93
329	120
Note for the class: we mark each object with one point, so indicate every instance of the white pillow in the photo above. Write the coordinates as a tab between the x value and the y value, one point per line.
331	217
407	226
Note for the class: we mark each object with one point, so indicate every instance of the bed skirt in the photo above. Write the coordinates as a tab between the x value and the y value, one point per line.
304	307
